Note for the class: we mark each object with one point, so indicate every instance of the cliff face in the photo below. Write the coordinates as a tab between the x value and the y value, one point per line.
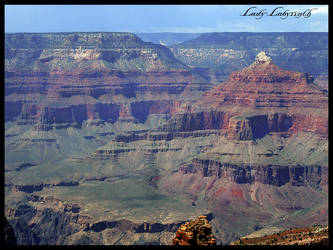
83	51
262	113
120	154
257	91
46	220
61	80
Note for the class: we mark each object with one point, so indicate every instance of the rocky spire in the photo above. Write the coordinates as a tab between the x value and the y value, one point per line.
262	58
262	63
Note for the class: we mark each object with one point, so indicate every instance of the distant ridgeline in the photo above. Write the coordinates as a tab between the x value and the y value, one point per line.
45	52
230	51
224	52
75	40
167	38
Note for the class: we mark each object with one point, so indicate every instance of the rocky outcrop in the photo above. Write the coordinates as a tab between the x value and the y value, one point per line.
202	120
49	227
243	127
268	99
262	87
270	174
257	126
195	233
315	236
262	70
58	222
263	84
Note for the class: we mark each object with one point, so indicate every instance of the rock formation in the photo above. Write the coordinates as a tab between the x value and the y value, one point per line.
195	233
231	51
314	236
103	149
61	52
267	98
261	111
72	78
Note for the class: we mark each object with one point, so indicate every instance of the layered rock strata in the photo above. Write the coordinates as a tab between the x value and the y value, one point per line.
61	80
141	146
256	101
46	220
269	174
265	115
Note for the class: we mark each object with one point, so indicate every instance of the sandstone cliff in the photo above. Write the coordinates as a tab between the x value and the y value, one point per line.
258	100
268	120
120	157
61	80
56	52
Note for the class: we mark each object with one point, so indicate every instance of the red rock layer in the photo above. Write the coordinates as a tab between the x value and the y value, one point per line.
264	88
266	85
49	98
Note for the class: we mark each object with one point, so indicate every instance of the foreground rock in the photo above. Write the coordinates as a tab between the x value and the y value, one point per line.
195	233
315	236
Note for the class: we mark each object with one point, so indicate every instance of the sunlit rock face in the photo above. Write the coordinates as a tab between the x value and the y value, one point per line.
67	97
264	114
110	140
60	80
257	100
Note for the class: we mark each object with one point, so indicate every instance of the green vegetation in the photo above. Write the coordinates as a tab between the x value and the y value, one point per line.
128	198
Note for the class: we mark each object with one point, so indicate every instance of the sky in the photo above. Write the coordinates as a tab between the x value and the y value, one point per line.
165	18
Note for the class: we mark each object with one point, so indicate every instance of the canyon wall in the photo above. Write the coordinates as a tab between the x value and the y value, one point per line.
230	51
111	140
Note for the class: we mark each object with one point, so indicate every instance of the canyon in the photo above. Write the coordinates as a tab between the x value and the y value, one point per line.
220	53
111	140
